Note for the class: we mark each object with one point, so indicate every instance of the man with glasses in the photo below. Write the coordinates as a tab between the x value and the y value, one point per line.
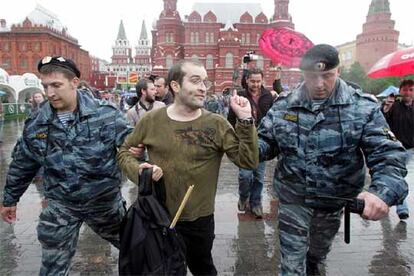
188	143
251	181
400	117
323	133
74	137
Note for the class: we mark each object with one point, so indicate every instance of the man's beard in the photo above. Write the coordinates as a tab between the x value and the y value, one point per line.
149	99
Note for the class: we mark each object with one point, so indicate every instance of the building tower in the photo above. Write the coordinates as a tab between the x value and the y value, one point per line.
167	39
121	51
143	51
378	37
281	16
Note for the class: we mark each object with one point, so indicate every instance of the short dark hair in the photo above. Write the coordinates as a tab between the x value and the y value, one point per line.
50	68
160	77
406	83
176	71
254	71
142	84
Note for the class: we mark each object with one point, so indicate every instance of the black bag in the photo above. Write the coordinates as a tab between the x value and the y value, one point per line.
148	245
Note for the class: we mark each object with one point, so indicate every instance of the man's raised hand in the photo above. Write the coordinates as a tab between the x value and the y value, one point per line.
240	106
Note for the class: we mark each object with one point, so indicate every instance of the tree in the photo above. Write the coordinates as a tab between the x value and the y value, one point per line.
357	75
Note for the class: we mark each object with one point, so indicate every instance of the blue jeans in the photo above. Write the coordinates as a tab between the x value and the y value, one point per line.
403	208
251	184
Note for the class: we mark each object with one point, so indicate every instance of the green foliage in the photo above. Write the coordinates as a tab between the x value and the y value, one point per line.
357	75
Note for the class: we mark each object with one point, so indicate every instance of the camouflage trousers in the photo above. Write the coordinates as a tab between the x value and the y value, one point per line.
59	225
305	234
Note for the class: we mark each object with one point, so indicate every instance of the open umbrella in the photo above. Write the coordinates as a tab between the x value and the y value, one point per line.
397	64
284	46
388	91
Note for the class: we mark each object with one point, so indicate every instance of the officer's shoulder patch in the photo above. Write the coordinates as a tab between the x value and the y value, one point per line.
41	135
290	117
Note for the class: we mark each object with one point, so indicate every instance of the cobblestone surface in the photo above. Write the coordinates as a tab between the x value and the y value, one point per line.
243	245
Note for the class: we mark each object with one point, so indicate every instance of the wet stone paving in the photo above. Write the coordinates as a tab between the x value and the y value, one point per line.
243	245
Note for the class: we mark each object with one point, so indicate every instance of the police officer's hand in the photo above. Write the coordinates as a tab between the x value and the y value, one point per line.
137	152
240	106
8	213
375	208
157	172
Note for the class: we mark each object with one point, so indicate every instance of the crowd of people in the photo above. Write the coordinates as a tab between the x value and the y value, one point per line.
326	136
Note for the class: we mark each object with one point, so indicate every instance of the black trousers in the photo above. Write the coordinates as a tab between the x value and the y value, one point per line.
198	237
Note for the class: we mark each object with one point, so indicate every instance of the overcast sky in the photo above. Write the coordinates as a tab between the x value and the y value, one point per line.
95	23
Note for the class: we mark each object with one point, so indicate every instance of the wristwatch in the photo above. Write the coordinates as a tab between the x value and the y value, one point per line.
246	121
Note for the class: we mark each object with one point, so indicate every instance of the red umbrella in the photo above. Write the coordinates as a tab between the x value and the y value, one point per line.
285	46
397	64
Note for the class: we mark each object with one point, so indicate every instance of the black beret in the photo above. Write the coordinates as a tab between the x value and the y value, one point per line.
61	62
320	58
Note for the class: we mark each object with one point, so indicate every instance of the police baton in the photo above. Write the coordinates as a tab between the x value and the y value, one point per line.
352	205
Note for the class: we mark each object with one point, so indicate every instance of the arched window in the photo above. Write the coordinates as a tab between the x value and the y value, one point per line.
229	60
192	38
169	61
209	62
196	38
259	62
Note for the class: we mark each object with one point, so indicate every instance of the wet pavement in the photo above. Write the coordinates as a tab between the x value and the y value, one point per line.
243	245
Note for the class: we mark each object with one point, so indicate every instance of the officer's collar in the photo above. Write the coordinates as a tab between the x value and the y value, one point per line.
86	106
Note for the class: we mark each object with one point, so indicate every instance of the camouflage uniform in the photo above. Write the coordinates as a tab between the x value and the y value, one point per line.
81	177
321	152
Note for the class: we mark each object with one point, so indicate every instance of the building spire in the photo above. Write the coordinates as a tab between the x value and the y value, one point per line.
281	16
143	35
379	6
170	5
121	32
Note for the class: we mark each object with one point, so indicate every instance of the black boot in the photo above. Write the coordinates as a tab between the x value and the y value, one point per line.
312	268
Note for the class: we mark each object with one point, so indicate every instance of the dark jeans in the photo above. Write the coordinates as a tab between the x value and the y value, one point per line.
198	237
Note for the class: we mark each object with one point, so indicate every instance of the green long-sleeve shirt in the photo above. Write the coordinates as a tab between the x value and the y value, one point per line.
190	153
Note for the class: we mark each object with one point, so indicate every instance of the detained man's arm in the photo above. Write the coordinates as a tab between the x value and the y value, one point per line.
240	144
385	157
122	129
128	162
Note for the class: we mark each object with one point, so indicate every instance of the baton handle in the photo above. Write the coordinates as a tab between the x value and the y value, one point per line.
356	206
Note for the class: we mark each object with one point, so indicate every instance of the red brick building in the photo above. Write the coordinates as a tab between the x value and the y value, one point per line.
99	74
218	35
40	34
378	37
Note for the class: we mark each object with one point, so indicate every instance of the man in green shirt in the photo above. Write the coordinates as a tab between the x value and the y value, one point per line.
188	142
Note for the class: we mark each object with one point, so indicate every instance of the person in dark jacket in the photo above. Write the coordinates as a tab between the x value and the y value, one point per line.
251	181
163	93
400	117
